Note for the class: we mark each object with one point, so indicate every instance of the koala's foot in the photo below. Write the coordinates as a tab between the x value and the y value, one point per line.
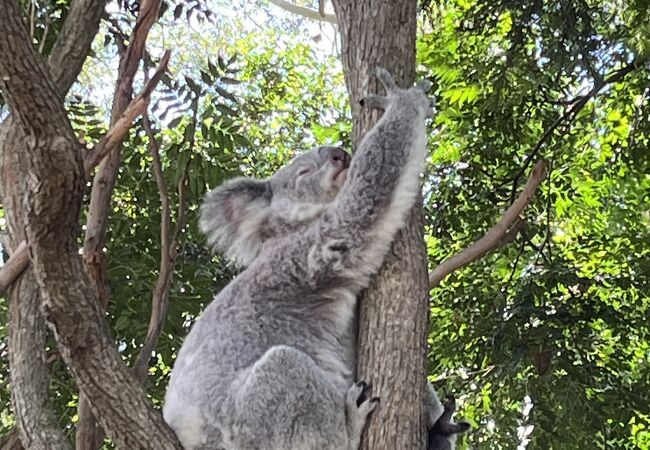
358	406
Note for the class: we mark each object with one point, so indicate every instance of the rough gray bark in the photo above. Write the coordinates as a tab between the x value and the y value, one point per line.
51	164
393	311
36	424
29	369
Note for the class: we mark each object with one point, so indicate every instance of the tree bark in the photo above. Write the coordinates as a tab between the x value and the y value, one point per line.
393	321
89	435
36	424
52	167
29	369
11	441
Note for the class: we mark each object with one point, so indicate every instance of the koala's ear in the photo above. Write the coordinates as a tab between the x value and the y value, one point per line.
232	217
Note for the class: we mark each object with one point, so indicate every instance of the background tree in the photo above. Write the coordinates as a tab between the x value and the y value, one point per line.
545	343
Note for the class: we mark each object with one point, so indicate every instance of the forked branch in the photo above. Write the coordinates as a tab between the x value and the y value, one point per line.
20	259
306	12
120	128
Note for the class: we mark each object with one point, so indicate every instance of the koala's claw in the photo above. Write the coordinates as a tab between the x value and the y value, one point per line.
359	398
365	391
382	102
358	406
374	101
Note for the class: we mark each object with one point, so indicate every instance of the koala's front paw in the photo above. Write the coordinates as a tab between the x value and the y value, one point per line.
416	94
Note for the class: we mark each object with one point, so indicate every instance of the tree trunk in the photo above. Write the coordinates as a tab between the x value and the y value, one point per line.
36	423
393	311
54	181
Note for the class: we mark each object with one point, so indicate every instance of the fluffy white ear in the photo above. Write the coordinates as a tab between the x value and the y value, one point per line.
232	215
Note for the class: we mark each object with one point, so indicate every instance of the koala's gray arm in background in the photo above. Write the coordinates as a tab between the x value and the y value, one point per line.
382	183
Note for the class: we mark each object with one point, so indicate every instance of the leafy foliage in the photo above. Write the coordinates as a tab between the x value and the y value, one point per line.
548	339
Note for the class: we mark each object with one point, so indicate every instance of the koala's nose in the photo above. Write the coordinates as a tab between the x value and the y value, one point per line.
339	157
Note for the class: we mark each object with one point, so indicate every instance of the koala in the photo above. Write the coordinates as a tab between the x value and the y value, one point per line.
270	363
442	430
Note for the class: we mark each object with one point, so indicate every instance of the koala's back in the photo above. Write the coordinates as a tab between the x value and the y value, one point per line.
270	304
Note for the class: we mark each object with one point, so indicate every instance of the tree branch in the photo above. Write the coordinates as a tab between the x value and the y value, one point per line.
36	422
111	140
104	180
11	441
500	234
12	269
119	129
305	12
73	42
89	436
168	252
575	107
51	203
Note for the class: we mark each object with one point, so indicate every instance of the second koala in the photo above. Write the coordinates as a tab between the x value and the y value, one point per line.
270	363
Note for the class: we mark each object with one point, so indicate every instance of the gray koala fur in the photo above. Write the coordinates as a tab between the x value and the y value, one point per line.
270	363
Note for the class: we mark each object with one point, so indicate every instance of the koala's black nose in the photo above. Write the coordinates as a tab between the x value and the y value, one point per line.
339	156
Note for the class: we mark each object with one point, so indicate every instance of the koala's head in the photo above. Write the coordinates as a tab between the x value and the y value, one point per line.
243	213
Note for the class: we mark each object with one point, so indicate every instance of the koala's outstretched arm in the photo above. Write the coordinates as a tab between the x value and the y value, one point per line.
382	183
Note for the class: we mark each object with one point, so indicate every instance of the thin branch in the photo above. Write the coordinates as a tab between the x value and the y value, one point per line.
32	19
305	12
41	45
168	254
104	180
500	234
570	113
108	151
116	133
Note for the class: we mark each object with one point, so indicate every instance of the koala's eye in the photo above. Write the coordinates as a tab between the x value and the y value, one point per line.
303	171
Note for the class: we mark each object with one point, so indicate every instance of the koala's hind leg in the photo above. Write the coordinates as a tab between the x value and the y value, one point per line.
286	403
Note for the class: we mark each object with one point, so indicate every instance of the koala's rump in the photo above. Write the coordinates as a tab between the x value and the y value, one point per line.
237	329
